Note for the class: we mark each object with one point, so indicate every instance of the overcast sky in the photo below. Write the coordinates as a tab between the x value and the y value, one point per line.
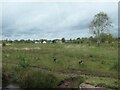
50	20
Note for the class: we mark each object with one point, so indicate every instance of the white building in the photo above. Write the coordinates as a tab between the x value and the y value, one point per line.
44	42
37	42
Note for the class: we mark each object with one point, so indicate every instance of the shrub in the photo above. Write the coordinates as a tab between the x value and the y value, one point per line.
91	55
7	74
23	64
81	41
36	79
81	80
3	44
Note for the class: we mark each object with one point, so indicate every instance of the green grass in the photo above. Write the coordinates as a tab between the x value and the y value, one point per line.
96	60
28	78
14	77
105	82
67	56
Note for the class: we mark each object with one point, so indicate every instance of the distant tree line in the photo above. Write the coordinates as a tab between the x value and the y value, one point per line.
105	38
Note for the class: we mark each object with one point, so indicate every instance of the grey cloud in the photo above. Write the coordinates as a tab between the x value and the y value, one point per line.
51	20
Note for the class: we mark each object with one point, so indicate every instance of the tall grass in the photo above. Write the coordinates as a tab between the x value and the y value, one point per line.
67	56
37	79
96	60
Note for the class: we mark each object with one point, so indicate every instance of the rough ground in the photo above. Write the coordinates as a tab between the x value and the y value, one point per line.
66	71
71	83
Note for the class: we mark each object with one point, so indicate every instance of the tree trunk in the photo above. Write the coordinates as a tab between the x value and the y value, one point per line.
98	43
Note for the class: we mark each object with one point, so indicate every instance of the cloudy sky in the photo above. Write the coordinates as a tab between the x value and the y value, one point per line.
51	20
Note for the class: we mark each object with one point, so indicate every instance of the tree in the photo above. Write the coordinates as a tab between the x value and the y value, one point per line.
91	40
63	40
78	38
53	41
100	23
109	38
3	44
106	37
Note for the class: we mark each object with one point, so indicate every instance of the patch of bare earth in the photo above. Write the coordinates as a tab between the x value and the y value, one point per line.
73	83
68	83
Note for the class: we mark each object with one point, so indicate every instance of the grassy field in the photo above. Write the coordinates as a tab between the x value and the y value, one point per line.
99	64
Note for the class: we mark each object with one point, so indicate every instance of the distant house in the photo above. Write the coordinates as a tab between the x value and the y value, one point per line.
37	42
44	42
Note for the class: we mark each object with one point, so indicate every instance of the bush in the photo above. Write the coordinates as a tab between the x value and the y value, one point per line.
3	44
36	79
19	69
91	55
81	80
23	64
7	74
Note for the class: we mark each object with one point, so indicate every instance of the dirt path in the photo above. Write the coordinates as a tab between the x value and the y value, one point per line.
78	72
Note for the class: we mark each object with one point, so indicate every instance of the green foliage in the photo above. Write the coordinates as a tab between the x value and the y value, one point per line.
106	86
37	79
67	55
22	67
114	66
23	63
81	80
96	61
63	40
101	85
106	37
53	41
109	37
100	23
7	73
3	44
81	41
